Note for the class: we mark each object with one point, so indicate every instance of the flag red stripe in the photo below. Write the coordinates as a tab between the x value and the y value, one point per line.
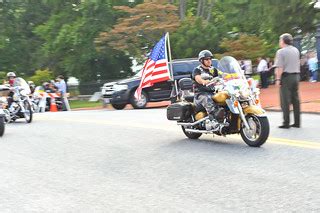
145	83
151	65
159	79
148	74
156	80
160	65
160	72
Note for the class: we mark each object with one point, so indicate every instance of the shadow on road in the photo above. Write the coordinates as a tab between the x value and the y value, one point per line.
219	144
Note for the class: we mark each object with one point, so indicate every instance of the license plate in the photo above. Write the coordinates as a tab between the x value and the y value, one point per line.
106	100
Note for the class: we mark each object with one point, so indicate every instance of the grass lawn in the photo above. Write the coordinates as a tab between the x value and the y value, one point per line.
84	104
256	77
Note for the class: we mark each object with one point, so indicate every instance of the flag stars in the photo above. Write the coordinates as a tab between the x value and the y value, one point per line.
159	51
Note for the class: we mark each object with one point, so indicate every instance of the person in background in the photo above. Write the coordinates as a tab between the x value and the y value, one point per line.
32	86
62	88
49	87
270	73
262	69
313	67
287	64
304	69
243	67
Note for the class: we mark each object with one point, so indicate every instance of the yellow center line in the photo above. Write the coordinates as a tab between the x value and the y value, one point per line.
281	141
289	142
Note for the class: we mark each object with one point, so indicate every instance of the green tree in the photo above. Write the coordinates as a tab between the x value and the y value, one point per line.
41	76
17	42
69	47
140	28
193	36
245	47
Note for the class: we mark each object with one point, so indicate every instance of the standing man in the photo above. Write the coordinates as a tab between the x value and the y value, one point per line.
263	69
62	88
287	64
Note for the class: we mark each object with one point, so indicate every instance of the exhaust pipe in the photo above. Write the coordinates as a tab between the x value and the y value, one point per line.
218	130
192	124
198	131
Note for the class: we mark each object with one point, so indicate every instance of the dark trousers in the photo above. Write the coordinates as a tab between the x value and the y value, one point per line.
289	95
205	100
264	79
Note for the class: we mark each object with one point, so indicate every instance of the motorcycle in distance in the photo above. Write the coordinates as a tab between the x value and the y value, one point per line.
235	95
4	91
20	107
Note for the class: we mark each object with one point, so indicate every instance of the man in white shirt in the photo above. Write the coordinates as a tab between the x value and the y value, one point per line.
262	69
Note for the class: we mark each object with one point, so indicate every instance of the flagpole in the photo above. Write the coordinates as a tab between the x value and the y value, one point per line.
169	57
171	67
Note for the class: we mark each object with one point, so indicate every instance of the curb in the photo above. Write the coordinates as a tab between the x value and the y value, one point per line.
304	112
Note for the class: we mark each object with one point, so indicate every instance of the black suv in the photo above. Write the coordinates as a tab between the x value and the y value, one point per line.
121	93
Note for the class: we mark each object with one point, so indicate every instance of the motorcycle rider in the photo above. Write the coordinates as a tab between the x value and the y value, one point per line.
201	77
15	81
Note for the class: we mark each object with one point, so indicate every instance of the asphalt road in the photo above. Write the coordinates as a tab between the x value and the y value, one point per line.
137	161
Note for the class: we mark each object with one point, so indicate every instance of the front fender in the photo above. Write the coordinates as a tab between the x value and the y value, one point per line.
256	110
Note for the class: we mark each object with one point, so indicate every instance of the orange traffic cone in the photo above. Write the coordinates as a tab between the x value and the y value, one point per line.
53	105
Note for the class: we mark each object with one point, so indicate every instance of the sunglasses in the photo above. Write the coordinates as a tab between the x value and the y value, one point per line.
207	59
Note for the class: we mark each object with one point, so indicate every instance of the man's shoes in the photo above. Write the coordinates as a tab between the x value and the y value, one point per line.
295	125
284	127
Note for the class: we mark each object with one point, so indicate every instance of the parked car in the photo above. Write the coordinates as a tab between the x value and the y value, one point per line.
121	93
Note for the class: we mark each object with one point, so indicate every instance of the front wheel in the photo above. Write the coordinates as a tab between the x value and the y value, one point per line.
258	132
27	111
2	126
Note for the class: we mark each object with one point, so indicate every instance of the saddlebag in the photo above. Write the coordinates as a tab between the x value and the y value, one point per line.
180	111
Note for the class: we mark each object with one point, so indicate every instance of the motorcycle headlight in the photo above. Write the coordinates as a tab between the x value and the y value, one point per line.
256	91
245	93
119	87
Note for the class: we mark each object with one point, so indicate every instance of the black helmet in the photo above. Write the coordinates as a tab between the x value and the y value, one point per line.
205	54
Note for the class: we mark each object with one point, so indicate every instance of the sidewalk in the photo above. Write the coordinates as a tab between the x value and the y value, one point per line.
309	97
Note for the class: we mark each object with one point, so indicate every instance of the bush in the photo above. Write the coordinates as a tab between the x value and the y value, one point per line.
41	76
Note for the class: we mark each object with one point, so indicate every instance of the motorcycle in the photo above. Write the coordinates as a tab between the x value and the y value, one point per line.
21	106
4	91
235	95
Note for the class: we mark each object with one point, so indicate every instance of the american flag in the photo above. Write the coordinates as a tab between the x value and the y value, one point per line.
155	68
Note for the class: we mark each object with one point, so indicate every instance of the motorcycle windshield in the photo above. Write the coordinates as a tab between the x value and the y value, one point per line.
230	68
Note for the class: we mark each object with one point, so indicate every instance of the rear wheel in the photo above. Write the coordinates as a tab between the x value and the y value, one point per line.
119	106
139	104
2	126
191	135
258	132
27	111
